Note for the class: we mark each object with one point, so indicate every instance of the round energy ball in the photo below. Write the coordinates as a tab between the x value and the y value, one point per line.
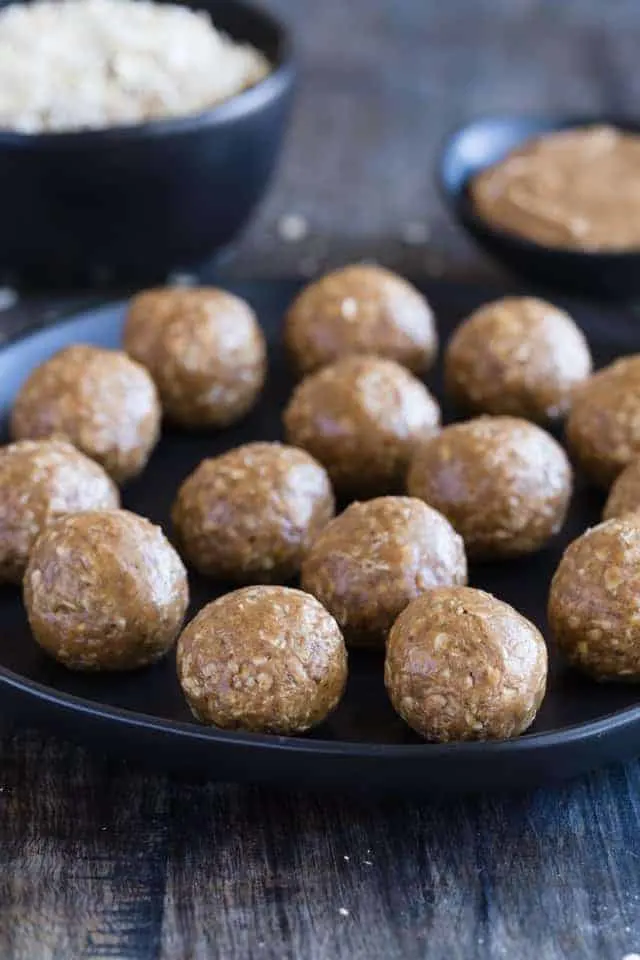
594	602
518	356
362	418
105	590
100	400
204	349
41	480
462	665
375	558
360	309
251	514
503	483
603	428
265	659
624	496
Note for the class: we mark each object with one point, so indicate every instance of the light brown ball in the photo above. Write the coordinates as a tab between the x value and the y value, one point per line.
375	558
265	659
204	349
41	480
594	603
356	310
519	356
362	418
462	665
100	400
603	428
251	514
624	496
105	590
504	484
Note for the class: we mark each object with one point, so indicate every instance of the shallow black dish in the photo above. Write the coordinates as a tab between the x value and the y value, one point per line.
136	202
364	744
485	142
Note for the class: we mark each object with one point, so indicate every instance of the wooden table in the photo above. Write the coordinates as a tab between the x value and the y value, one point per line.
100	861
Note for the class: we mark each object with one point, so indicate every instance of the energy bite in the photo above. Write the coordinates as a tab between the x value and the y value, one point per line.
204	349
603	428
102	401
265	659
41	480
462	665
251	514
503	483
594	602
519	356
105	591
375	558
624	496
360	309
362	418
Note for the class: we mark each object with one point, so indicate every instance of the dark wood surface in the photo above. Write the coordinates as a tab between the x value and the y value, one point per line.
101	861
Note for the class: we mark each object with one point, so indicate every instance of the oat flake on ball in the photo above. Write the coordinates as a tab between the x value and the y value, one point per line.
519	356
594	602
502	482
265	659
624	496
105	590
100	400
462	665
378	556
251	514
360	309
204	349
603	428
362	418
41	480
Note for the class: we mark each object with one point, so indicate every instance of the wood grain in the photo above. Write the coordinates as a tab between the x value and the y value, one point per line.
383	83
544	875
100	861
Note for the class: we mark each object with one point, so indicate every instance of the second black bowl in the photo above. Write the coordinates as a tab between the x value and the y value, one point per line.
484	142
132	203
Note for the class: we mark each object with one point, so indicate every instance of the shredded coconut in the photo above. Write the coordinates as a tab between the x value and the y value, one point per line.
74	64
292	227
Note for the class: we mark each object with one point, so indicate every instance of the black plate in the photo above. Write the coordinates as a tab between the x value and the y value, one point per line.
143	716
487	141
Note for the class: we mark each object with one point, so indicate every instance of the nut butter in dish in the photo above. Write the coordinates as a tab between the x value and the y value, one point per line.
576	189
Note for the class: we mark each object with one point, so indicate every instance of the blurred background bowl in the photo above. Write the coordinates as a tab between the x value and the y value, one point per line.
485	142
133	203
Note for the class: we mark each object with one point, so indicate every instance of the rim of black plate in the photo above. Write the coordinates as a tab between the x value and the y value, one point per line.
131	719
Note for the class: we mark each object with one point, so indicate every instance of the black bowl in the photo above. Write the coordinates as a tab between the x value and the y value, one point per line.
132	203
487	141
